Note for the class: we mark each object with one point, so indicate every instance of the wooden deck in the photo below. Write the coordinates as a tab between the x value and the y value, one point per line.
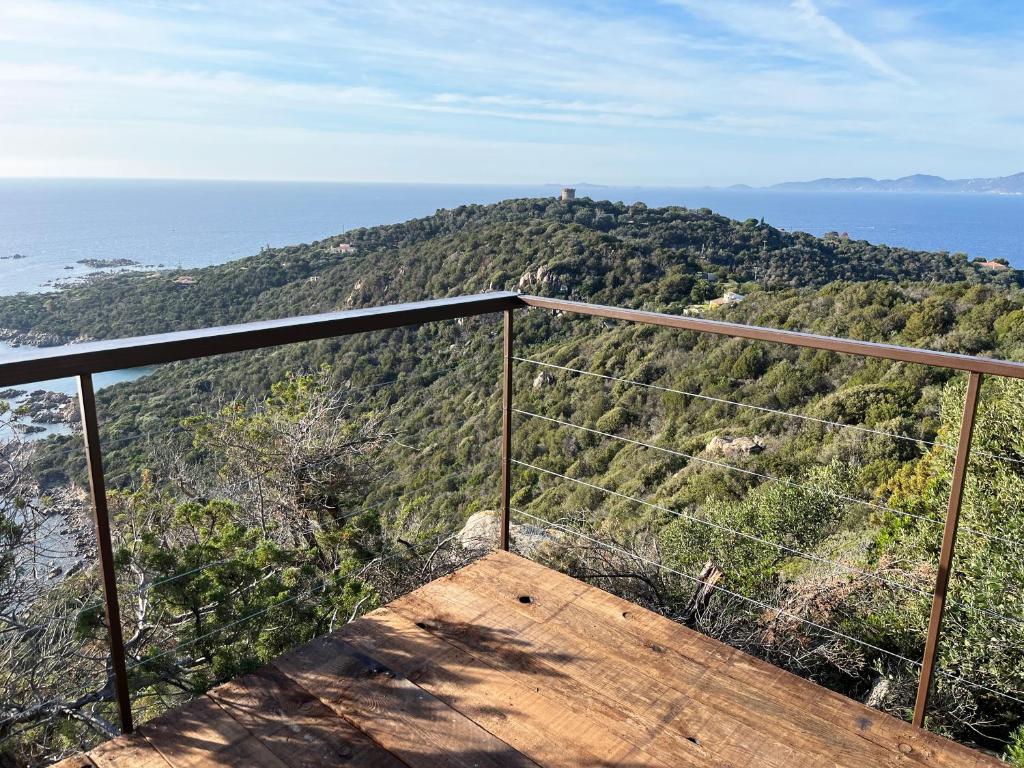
506	663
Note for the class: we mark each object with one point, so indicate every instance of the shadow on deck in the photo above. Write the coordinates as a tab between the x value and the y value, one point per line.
507	663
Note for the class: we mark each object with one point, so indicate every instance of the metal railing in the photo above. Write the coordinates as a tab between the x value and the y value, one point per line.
84	360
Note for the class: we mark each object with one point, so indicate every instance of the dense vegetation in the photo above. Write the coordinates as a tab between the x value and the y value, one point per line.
844	535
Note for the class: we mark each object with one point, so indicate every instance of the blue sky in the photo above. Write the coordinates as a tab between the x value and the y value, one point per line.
679	92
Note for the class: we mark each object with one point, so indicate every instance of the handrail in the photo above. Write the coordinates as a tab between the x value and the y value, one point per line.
893	352
83	360
46	363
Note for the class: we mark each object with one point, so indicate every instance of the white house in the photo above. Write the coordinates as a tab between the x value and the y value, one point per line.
727	298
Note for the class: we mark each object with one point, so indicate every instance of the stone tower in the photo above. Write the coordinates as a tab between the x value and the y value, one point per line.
568	193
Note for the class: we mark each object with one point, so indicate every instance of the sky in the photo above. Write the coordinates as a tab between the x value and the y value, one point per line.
679	92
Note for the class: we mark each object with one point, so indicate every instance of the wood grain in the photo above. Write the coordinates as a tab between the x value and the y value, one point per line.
507	663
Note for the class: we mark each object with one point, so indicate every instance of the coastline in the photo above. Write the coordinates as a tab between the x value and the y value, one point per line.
12	338
54	402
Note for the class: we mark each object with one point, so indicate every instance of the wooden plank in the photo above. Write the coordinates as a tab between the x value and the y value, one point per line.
296	726
806	701
616	620
803	695
464	673
202	735
638	684
407	721
517	708
659	717
132	751
754	701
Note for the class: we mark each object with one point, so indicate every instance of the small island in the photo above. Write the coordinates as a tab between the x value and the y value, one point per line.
108	263
13	257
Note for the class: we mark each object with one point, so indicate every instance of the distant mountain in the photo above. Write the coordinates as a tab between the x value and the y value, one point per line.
1005	185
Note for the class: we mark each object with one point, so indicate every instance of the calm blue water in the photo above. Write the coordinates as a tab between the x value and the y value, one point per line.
54	223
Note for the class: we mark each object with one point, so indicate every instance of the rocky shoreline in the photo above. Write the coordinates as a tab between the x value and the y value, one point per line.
17	338
40	409
66	534
43	407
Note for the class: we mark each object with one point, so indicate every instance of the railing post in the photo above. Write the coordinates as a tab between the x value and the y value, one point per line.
506	433
956	493
101	520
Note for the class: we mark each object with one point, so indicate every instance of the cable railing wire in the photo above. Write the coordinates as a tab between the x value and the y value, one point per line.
137	592
217	630
248	617
733	531
769	478
178	429
776	545
774	411
764	606
730	467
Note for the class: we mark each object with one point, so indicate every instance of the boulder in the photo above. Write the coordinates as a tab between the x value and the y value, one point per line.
724	445
879	693
481	533
543	379
531	277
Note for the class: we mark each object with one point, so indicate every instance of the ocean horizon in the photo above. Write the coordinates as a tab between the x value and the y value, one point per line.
55	227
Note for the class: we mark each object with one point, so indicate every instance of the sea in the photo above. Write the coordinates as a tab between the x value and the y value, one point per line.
49	228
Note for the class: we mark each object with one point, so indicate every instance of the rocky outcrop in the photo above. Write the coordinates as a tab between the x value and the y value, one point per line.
481	533
543	379
18	338
45	407
542	277
725	446
533	277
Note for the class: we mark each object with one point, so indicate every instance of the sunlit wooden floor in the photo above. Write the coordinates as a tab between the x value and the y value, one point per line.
506	663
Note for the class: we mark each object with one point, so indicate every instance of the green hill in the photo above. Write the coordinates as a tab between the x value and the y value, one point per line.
594	251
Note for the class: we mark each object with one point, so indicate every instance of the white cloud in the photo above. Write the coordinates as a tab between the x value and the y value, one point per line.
703	82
